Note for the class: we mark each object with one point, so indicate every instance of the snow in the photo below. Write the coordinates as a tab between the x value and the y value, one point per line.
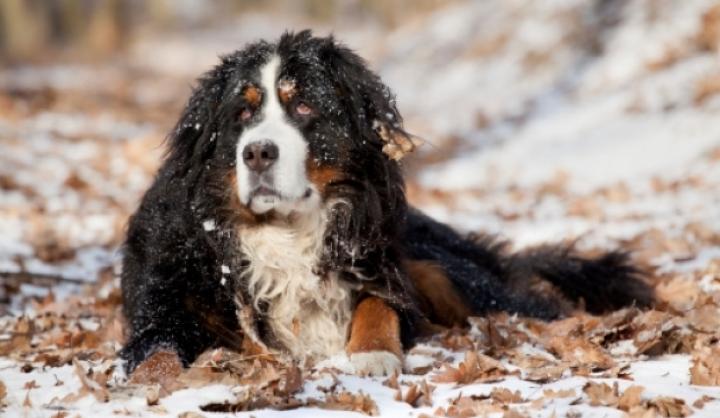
466	70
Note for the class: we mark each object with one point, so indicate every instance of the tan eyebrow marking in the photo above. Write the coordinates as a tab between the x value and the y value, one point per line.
252	95
286	90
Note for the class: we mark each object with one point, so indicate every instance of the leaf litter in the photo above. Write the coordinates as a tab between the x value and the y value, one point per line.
60	321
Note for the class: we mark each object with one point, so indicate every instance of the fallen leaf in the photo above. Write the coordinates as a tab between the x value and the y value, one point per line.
681	293
467	406
506	396
670	407
701	401
346	401
30	385
474	368
630	398
96	388
398	143
512	413
561	393
418	394
705	369
190	414
601	394
545	374
580	351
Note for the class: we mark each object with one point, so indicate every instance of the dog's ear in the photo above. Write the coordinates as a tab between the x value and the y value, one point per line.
187	141
371	102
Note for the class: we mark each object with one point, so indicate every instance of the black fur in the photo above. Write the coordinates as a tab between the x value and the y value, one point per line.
484	270
172	281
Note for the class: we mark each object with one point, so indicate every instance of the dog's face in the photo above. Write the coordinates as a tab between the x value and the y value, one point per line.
286	128
293	134
297	120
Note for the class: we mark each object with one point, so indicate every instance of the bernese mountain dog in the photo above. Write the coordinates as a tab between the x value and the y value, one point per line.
279	216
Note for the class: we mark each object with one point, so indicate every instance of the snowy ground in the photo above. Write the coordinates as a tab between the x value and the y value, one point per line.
563	120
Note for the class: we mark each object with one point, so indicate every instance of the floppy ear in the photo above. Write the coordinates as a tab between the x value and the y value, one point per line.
363	231
371	101
186	142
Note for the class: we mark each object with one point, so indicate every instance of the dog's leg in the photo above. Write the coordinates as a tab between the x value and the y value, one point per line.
374	346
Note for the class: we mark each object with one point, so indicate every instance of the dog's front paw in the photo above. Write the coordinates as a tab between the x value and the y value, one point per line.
376	363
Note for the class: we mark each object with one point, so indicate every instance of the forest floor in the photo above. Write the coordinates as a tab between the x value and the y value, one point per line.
601	134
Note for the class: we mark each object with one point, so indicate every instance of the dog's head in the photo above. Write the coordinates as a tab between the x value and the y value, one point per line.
294	123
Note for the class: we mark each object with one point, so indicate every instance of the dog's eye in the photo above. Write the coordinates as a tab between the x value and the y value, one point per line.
303	109
245	114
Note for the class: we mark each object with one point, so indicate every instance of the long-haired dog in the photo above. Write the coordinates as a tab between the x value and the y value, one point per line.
279	215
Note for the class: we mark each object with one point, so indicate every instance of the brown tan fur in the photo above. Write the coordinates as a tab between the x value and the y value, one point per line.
253	96
375	327
322	175
438	298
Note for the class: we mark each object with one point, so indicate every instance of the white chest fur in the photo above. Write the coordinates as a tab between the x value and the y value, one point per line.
309	315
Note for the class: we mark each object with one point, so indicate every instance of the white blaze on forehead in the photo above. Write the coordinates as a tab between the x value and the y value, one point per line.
288	175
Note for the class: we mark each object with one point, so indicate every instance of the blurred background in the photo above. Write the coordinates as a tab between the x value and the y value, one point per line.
595	121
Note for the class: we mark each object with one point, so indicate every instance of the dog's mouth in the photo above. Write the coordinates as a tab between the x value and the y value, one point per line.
264	198
264	191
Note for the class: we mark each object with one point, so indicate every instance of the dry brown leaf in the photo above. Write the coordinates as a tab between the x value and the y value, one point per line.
232	368
31	384
474	368
346	401
601	394
616	193
3	392
653	243
573	326
705	318
397	142
190	414
709	34
556	185
670	407
20	337
418	394
512	413
545	374
701	401
585	207
580	352
506	396
392	381
92	382
706	87
468	406
553	394
705	370
660	333
681	293
630	398
642	411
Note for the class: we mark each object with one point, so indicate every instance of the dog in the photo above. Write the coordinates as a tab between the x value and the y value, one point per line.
279	215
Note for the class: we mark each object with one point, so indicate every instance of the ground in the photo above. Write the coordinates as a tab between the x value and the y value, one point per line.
563	121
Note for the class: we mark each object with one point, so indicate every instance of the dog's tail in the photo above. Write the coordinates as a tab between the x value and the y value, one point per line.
545	282
598	284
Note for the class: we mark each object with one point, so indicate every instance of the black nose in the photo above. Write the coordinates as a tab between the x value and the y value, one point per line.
259	156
